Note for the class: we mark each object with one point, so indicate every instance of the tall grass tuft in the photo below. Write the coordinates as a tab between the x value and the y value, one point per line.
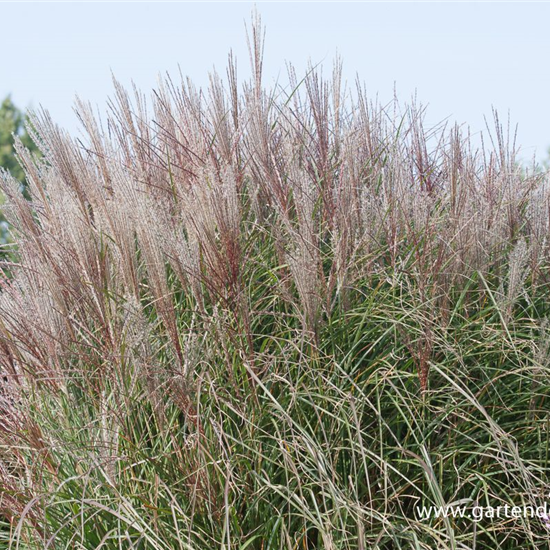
272	318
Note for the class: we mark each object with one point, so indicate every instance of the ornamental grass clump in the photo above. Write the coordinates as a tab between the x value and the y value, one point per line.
267	318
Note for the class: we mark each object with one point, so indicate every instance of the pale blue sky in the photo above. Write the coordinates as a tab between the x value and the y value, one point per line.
461	58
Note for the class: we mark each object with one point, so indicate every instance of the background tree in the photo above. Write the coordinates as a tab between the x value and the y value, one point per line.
12	123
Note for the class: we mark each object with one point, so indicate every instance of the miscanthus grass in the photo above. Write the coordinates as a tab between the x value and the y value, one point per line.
266	318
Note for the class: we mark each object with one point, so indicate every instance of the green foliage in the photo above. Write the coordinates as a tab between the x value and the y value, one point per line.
12	123
333	447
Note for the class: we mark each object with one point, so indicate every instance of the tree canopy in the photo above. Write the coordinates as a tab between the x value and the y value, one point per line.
12	123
